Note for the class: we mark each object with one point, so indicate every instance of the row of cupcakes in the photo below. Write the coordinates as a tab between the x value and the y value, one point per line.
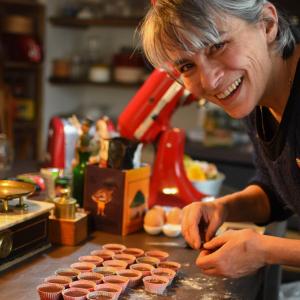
104	271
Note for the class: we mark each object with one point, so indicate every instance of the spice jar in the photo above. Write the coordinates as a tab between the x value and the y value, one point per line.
65	206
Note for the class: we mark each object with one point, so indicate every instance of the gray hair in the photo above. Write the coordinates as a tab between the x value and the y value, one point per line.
189	25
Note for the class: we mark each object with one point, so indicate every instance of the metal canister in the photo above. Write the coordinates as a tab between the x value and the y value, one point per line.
65	206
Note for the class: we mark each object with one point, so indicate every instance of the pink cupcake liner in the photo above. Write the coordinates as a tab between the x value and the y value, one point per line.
50	291
104	254
118	280
75	294
83	284
153	261
134	277
137	252
95	294
83	266
92	259
155	284
117	248
68	272
57	279
112	289
115	263
105	271
164	272
161	255
91	276
170	265
130	259
144	268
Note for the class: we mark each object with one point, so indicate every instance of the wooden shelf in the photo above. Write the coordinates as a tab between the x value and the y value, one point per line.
85	23
21	2
66	81
25	125
21	65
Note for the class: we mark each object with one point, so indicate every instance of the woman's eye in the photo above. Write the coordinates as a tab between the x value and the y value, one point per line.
217	47
185	68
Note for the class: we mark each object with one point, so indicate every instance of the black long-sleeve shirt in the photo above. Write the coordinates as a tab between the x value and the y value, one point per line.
277	154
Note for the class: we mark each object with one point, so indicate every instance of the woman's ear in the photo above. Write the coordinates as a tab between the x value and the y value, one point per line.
270	20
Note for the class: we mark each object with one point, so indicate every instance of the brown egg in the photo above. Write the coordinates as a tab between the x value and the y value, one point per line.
174	216
161	210
153	218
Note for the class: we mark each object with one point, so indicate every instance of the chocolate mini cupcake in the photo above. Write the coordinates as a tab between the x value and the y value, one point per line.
64	280
83	284
100	295
164	272
155	284
105	271
117	248
50	291
130	259
83	266
91	276
68	272
148	260
75	294
137	252
118	280
134	277
110	288
170	265
105	254
115	263
92	259
161	255
144	268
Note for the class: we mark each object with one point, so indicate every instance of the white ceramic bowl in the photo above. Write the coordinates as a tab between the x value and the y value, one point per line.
172	230
210	187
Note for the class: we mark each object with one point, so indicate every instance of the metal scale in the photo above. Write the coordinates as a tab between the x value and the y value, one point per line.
23	223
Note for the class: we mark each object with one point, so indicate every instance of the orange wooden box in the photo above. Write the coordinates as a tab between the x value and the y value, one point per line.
68	232
117	199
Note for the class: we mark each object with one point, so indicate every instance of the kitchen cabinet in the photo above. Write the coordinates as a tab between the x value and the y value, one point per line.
22	70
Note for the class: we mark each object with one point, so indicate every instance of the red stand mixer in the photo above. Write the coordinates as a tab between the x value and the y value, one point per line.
146	119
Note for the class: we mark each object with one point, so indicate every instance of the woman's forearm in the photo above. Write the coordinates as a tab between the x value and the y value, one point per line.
281	251
248	205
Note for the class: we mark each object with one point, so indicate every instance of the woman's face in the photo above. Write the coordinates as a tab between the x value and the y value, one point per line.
236	73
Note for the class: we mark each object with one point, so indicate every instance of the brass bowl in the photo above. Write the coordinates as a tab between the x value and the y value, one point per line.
10	189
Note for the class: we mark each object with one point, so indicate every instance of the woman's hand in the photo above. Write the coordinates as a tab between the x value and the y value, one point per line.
233	254
206	216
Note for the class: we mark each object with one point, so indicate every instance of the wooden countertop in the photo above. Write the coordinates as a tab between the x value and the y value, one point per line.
20	282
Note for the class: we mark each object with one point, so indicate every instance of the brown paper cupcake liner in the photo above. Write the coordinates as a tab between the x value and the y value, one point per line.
110	288
68	272
115	263
118	280
91	276
155	284
50	291
92	259
83	266
137	252
164	272
144	268
75	294
104	295
128	258
117	248
83	284
58	279
104	254
134	277
105	271
161	255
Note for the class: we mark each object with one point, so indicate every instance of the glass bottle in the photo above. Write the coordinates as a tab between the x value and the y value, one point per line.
78	176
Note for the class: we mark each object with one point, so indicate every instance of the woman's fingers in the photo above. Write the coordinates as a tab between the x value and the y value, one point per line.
190	221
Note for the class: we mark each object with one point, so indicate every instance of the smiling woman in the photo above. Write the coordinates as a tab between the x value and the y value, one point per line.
243	56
